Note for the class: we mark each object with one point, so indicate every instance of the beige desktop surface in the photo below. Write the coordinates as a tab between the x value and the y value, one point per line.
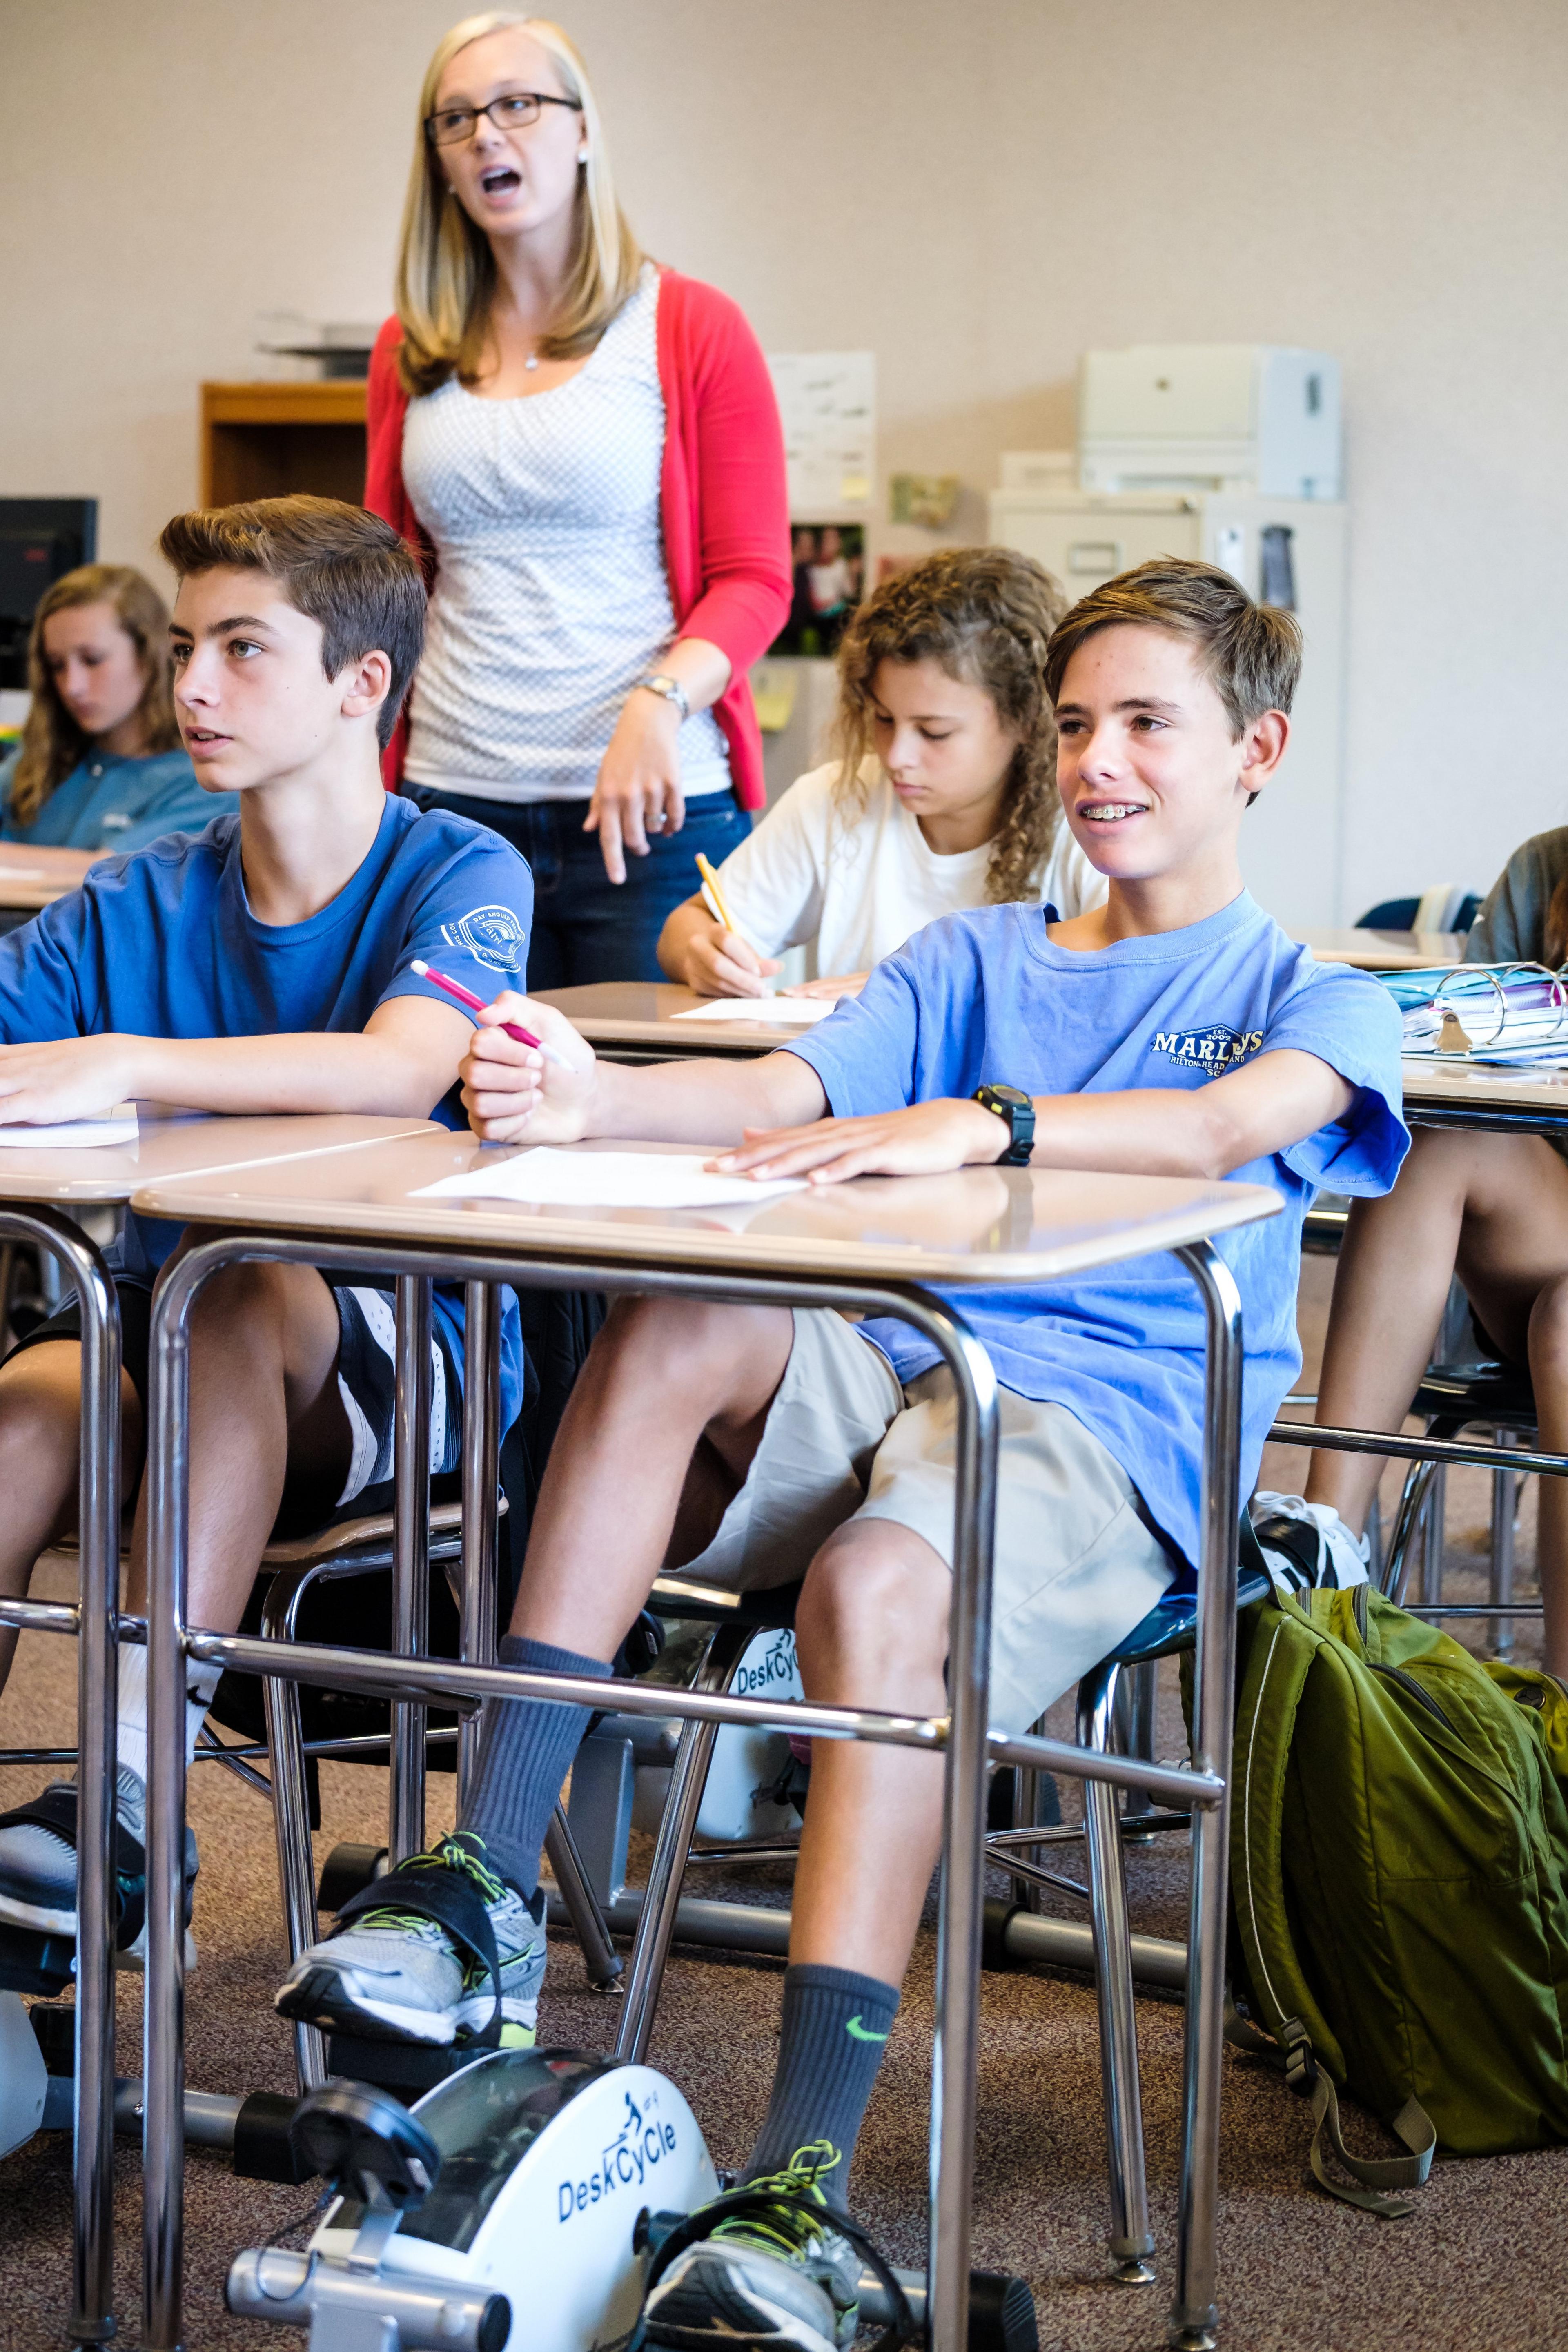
642	1013
172	1142
1384	950
1483	1086
31	879
976	1225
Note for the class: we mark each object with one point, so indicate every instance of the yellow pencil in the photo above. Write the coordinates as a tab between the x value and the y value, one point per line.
715	896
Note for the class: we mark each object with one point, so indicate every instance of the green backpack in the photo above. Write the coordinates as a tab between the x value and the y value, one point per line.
1399	1858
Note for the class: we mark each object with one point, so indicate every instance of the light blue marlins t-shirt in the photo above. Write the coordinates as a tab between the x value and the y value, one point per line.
985	996
161	943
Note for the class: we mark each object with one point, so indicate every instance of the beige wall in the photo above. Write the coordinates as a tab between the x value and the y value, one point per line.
977	193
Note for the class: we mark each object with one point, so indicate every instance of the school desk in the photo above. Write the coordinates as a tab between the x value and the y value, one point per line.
31	879
635	1021
37	1189
1384	950
876	1246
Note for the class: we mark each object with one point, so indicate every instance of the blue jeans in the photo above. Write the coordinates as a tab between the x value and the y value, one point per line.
585	926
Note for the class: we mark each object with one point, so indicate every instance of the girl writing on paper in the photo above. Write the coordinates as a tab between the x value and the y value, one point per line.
585	447
942	795
1492	1208
101	765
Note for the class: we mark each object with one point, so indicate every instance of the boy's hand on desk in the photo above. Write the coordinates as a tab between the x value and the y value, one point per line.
926	1140
511	1094
68	1078
719	964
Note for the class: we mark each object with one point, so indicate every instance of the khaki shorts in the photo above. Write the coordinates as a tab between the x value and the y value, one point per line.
1076	1565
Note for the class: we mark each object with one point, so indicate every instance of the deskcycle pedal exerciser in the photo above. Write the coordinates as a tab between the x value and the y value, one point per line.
525	2201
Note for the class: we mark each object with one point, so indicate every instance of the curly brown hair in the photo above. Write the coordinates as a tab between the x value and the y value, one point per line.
985	615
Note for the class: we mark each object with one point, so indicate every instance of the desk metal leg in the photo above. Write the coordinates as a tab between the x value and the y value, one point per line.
1195	2317
163	1995
92	2269
956	2057
411	1558
481	1446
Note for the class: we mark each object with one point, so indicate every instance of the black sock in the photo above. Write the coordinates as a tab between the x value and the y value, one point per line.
831	2038
528	1750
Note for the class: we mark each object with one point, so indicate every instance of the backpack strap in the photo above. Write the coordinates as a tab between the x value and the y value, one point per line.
1292	2054
1284	1648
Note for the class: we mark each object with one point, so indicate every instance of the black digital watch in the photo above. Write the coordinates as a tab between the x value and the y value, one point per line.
1018	1112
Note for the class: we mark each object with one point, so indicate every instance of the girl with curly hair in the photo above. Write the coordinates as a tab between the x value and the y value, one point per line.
942	794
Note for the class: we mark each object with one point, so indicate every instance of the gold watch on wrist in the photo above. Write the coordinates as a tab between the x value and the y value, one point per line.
661	682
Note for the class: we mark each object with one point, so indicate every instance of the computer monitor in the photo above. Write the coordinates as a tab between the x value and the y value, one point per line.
40	540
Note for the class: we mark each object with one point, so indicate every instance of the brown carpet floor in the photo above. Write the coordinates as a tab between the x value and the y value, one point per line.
1482	2267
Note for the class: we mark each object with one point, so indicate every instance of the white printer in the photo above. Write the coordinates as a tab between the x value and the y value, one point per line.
1226	454
1210	416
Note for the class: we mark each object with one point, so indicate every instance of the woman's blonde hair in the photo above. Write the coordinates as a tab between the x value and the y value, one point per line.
445	269
985	615
52	743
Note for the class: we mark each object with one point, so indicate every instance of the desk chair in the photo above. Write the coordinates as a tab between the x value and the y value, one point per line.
1453	1398
1169	1628
1444	907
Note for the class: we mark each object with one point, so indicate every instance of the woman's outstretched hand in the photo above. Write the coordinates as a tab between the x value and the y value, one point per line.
638	791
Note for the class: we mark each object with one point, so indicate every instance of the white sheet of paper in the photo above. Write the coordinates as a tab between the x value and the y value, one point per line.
606	1179
116	1126
793	1011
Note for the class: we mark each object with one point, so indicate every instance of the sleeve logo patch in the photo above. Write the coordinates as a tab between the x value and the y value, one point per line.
1214	1049
493	935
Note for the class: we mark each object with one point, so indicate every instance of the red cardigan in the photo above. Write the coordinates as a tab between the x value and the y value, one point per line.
724	498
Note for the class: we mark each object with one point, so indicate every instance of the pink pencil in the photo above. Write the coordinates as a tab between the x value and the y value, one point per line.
476	1004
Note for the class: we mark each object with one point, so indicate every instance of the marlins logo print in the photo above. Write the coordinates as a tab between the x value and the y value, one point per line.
1215	1049
493	935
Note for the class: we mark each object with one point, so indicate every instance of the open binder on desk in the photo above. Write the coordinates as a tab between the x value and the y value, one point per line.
1515	1012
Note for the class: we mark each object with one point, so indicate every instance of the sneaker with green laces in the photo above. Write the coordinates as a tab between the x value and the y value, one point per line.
441	1948
770	2264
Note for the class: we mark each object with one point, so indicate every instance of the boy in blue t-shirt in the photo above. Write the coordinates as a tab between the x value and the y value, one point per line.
261	965
1175	1029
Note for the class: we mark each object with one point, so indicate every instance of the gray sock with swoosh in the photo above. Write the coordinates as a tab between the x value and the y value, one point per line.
832	2035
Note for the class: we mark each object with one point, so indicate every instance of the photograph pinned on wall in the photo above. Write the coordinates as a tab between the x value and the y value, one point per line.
928	501
829	566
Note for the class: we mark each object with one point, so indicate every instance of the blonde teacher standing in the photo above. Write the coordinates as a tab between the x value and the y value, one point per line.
587	448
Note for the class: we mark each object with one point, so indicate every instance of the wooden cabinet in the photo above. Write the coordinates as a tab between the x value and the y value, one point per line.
261	440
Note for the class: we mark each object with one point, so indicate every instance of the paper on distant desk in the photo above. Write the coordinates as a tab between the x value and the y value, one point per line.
606	1179
793	1011
116	1126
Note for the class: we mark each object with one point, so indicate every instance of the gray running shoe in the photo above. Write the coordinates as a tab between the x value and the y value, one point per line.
780	2272
38	1866
410	1961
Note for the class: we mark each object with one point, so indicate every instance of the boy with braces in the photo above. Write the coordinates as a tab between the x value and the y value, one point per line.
1173	1030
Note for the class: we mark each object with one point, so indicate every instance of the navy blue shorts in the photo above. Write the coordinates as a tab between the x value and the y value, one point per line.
367	1326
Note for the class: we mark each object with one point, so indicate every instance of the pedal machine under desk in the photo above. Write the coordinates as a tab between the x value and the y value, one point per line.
877	1245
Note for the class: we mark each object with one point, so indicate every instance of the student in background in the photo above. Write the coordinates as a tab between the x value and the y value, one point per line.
587	447
944	796
101	765
1492	1209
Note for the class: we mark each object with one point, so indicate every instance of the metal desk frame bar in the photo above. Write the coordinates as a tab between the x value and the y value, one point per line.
95	1622
963	1735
